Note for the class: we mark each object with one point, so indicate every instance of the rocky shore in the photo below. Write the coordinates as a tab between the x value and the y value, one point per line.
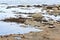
48	34
49	25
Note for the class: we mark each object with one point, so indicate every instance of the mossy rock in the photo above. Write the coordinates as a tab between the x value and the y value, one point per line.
51	22
37	16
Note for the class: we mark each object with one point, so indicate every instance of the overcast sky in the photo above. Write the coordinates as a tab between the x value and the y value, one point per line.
30	1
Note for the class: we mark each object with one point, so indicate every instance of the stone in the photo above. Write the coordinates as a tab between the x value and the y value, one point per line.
32	23
51	22
51	26
37	5
37	16
11	7
20	6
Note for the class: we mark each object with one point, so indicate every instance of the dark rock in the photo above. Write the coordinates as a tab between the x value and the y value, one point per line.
6	36
18	20
51	26
49	7
44	4
37	5
11	7
29	6
4	3
20	6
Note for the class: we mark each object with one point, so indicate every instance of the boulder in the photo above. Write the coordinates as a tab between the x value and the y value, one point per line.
32	23
56	12
51	22
58	8
37	5
11	7
18	20
55	8
28	6
20	6
49	7
44	19
37	16
49	11
51	26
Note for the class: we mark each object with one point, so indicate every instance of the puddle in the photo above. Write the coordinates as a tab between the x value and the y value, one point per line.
14	28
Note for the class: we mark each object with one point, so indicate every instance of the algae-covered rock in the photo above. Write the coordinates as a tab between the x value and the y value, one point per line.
32	23
56	12
37	16
51	22
55	8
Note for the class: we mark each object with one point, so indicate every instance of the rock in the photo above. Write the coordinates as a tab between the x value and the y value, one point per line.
6	36
44	20
28	6
51	26
18	20
4	3
32	23
44	5
37	17
54	8
49	11
51	22
44	23
58	20
37	5
58	8
49	7
20	6
11	7
57	11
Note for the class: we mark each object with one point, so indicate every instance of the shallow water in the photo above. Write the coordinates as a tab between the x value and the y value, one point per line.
14	28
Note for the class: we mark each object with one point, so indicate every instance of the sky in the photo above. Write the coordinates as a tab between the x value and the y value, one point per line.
30	1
